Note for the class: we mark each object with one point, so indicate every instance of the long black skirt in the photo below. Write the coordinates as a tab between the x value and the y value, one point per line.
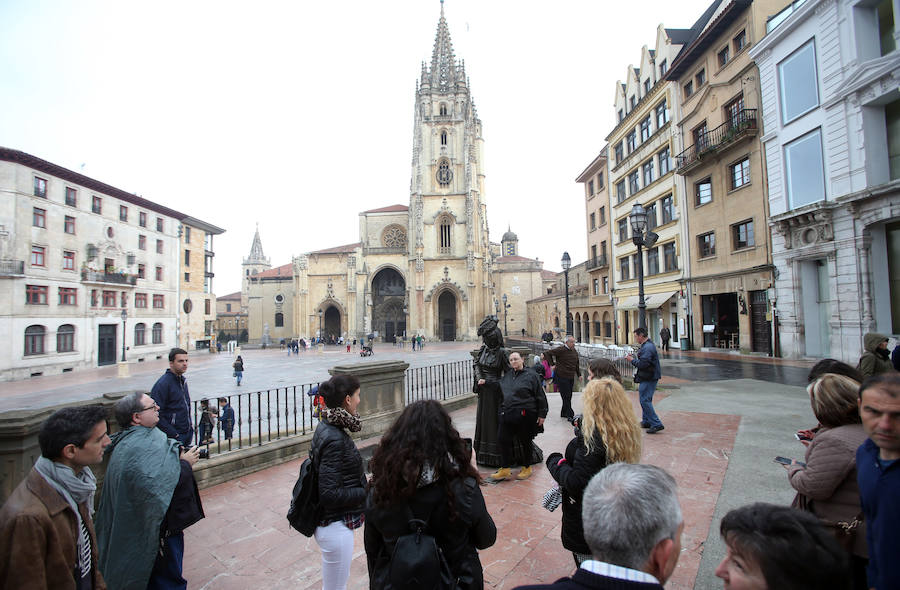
487	421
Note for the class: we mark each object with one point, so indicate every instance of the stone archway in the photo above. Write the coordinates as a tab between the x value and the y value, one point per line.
446	314
388	300
331	323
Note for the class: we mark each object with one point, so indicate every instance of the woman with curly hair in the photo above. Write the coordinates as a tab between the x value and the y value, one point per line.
423	468
607	433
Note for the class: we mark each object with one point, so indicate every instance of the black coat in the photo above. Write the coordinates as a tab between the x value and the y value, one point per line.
342	481
573	476
523	390
459	538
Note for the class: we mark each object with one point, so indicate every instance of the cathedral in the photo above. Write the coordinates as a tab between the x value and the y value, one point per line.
426	268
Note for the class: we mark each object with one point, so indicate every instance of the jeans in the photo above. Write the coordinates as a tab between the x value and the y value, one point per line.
166	574
565	392
646	389
239	375
336	543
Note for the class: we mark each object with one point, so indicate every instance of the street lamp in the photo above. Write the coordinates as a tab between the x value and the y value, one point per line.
567	264
506	307
638	218
124	317
320	323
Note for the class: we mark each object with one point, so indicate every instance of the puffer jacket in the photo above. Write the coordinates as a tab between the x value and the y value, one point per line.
874	360
459	538
342	480
829	478
523	390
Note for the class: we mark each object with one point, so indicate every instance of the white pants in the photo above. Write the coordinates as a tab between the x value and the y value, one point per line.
336	543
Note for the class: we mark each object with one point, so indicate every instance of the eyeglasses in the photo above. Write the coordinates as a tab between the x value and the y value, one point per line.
155	406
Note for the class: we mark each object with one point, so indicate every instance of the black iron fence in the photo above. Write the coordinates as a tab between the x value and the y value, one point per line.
439	382
616	354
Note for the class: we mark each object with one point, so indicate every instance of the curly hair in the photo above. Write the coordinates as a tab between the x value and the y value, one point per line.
608	412
422	435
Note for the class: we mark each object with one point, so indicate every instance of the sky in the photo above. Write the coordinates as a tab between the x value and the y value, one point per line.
297	116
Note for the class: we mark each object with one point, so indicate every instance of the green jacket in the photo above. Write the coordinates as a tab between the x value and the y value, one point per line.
874	360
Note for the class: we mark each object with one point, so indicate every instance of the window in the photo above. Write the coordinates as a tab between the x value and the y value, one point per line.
157	333
599	181
703	192
142	242
109	299
633	186
34	340
594	253
724	56
645	129
740	41
590	187
187	277
651	215
444	243
596	286
647	171
662	115
159	224
664	163
38	256
632	101
885	13
443	109
669	261
159	273
647	86
96	204
159	246
139	334
805	170
620	191
605	285
124	299
36	294
40	187
39	217
706	244
603	215
123	213
443	138
68	260
798	83
734	111
742	234
444	174
623	229
140	301
207	307
701	77
279	320
740	173
701	137
621	115
68	296
667	206
620	154
593	223
187	257
653	261
71	197
227	307
631	139
65	338
142	219
95	300
159	302
624	268
69	224
142	271
689	89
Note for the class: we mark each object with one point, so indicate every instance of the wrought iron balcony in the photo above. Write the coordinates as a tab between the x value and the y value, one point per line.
597	262
115	278
715	140
11	268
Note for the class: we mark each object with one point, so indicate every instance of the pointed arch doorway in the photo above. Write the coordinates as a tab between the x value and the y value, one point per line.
447	316
389	297
331	324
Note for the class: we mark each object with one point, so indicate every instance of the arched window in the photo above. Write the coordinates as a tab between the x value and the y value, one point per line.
444	174
444	241
443	138
140	331
443	109
157	333
65	338
279	320
34	340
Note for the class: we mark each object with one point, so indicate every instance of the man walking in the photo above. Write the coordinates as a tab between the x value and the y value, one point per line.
565	358
170	392
646	376
47	537
665	336
878	475
149	497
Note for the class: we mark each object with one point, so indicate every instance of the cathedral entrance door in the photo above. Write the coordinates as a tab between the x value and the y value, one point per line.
331	323
447	316
388	300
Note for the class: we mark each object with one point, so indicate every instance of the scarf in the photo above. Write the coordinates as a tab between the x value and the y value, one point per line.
343	419
75	489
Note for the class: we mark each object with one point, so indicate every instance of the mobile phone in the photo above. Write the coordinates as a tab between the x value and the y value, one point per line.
799	436
783	460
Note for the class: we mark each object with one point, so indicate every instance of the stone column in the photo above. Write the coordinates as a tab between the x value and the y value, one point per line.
382	392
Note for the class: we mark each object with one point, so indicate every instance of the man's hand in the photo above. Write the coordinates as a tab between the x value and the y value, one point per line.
191	455
540	421
629	358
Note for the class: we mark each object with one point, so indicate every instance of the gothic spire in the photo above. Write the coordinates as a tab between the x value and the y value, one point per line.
443	62
256	250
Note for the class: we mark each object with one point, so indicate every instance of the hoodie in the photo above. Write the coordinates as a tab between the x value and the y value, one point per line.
874	360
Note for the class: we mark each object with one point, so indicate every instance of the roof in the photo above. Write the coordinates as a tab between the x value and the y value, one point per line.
285	270
389	209
339	249
706	36
230	296
516	259
549	274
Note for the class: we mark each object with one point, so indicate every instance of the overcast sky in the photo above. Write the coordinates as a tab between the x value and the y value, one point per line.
299	115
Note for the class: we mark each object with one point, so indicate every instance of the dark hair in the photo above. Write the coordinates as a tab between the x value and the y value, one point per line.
794	550
175	352
641	332
127	407
423	434
836	368
601	367
337	388
68	426
888	382
223	399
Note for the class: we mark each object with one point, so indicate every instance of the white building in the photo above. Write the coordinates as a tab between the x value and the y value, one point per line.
829	73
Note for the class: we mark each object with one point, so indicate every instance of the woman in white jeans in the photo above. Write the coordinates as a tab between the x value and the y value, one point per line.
342	480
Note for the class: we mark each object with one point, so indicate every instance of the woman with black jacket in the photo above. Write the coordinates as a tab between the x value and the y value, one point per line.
607	433
342	480
422	466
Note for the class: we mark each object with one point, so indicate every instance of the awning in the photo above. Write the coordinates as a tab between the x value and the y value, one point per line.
653	300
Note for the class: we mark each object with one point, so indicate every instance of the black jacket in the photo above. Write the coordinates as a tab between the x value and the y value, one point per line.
185	508
342	481
523	390
171	393
573	476
459	538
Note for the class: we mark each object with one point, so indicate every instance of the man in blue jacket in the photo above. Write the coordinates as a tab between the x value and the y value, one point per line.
646	376
170	392
878	475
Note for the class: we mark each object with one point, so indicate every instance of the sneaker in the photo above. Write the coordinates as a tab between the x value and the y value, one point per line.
524	473
645	425
500	474
655	429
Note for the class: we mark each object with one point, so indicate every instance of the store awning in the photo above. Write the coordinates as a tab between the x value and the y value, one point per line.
653	300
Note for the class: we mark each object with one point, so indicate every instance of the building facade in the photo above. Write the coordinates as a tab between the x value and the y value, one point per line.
830	74
231	319
198	300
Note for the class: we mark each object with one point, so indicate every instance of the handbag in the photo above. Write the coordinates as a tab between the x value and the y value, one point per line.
303	514
552	499
843	531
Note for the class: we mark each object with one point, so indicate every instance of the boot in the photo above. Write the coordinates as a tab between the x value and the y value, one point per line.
524	473
500	474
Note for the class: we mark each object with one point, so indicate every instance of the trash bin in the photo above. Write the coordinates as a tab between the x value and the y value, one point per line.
685	344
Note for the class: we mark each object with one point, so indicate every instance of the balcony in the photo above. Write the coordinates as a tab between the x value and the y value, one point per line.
114	278
597	262
12	268
713	141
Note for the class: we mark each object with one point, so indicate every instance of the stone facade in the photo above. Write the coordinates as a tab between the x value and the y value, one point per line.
198	299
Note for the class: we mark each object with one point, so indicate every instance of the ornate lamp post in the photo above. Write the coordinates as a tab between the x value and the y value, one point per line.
506	307
567	264
638	218
320	323
124	318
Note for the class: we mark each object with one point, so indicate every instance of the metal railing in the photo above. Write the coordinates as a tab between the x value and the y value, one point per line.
94	276
439	382
741	124
597	262
586	353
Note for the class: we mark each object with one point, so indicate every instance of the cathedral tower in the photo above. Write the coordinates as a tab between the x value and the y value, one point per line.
256	262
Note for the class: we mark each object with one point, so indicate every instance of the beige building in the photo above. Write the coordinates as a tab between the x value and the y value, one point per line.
725	204
519	279
198	300
231	319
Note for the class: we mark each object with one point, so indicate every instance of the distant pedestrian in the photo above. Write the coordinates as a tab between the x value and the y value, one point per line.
348	345
171	393
207	422
226	420
875	358
238	369
646	376
665	336
565	360
421	341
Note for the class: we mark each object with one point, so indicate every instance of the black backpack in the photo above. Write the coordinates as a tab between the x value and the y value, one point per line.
417	562
303	514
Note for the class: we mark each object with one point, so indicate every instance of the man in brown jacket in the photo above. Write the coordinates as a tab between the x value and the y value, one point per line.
47	537
565	358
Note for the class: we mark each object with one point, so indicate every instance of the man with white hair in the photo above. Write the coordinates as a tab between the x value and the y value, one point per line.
633	526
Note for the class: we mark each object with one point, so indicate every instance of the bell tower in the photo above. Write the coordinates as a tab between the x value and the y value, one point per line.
256	262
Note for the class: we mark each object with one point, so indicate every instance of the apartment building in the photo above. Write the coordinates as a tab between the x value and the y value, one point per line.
830	95
198	299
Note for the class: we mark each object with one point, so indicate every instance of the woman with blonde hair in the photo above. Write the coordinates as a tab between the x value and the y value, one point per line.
607	433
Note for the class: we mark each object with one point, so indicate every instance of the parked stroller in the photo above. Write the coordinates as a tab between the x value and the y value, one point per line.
366	350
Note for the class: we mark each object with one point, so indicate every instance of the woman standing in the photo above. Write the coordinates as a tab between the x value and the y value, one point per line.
422	466
607	433
341	478
238	367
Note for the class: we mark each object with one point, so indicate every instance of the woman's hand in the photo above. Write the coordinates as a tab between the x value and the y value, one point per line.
481	382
